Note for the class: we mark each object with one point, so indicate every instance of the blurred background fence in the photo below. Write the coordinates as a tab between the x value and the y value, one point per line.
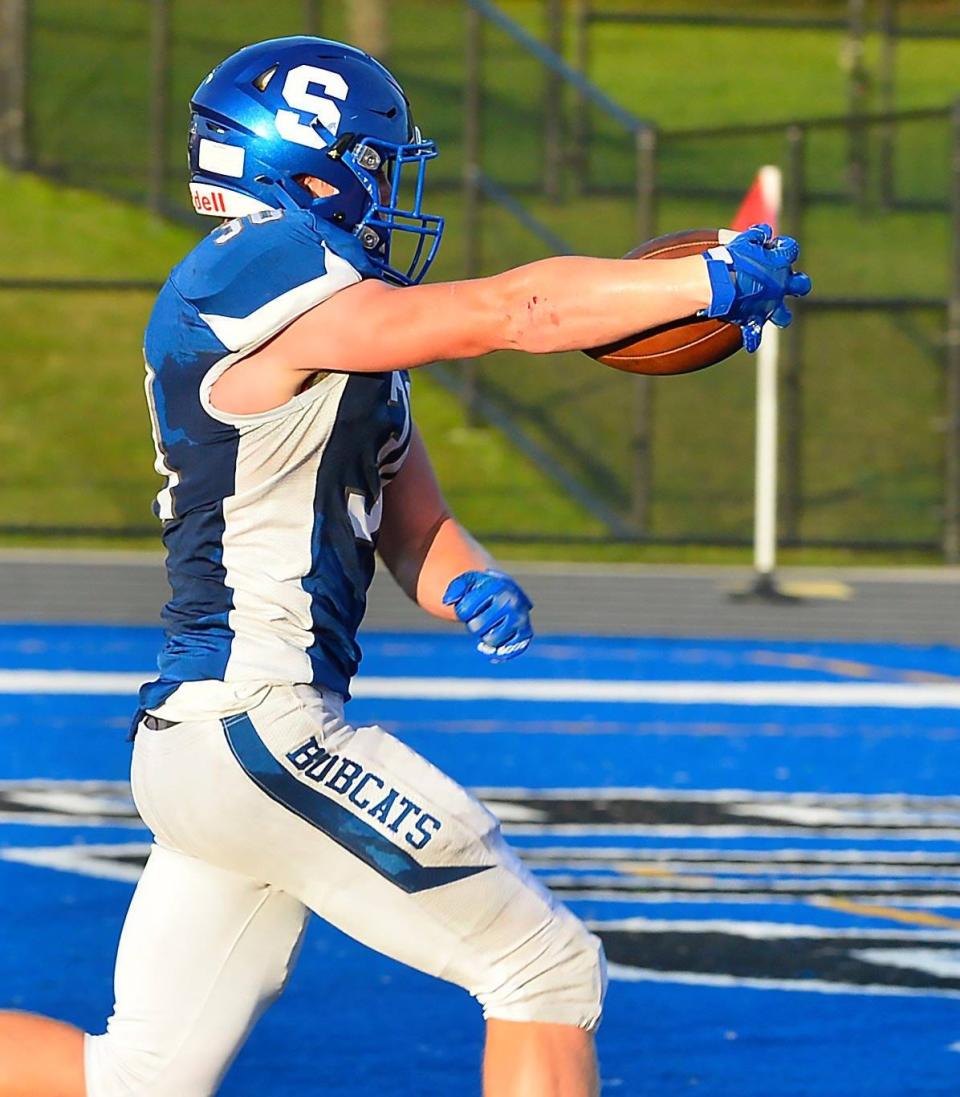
576	126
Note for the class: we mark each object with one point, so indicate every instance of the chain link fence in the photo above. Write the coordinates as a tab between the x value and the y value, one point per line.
870	372
93	93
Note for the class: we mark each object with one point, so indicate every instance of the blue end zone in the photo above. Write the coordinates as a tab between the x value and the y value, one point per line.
778	885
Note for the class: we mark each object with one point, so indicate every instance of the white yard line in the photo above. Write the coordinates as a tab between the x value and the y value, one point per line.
914	695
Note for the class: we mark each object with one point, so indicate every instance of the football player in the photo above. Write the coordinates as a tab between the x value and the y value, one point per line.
276	358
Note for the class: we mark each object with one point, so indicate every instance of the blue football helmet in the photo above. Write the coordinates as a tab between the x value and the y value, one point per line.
290	107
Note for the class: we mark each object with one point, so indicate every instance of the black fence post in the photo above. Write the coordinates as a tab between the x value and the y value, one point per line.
472	194
641	495
886	86
159	101
951	509
311	16
857	102
791	494
580	129
14	59
368	26
553	105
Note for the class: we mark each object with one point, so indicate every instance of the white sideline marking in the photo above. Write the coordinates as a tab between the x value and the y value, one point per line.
805	694
625	973
70	681
932	961
90	860
769	931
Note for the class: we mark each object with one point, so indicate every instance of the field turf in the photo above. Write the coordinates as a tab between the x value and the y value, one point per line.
776	877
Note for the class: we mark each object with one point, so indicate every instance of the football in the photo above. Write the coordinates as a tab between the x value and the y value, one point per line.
683	345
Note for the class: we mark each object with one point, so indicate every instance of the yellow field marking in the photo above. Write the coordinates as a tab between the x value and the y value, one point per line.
894	914
846	668
926	676
818	588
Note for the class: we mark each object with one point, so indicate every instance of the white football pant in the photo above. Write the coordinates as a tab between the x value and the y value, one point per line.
263	816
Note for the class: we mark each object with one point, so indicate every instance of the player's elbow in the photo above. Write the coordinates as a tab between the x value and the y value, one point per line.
529	319
533	326
468	319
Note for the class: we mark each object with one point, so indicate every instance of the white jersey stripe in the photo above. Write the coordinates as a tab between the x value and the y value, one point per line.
267	540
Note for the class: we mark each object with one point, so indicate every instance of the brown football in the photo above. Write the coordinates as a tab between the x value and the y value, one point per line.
683	345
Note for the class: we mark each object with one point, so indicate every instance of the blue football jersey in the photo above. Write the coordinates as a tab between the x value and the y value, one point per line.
269	520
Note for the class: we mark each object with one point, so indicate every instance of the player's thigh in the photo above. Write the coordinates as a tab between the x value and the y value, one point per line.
376	840
388	848
203	952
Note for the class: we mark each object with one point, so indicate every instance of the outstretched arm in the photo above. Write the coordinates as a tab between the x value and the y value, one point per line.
565	303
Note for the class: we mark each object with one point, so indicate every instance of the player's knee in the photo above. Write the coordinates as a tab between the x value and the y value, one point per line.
113	1070
117	1068
558	975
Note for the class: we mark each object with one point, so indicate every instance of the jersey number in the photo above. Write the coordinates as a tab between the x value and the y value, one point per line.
235	227
321	108
365	522
165	501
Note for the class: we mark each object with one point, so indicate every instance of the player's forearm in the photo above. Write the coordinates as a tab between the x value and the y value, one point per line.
451	552
572	302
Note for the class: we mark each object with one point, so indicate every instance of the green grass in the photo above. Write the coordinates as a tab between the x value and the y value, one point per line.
872	385
872	394
74	432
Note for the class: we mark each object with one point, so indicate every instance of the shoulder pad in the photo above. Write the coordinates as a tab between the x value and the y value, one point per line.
252	276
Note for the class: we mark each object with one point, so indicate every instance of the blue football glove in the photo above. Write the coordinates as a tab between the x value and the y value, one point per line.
495	610
750	277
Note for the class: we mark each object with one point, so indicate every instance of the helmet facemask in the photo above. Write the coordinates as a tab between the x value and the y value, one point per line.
404	168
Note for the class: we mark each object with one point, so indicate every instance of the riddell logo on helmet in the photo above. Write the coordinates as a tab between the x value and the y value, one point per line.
208	200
